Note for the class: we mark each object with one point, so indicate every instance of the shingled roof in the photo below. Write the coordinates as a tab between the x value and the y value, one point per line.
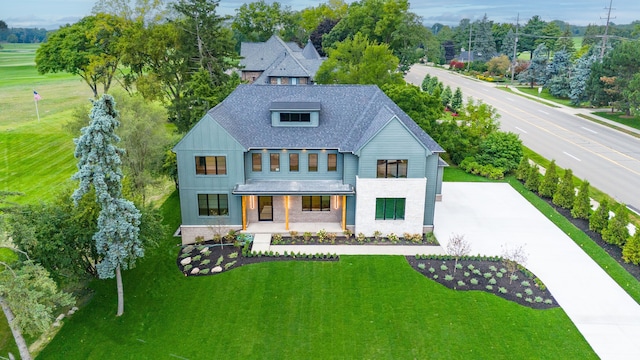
278	58
350	116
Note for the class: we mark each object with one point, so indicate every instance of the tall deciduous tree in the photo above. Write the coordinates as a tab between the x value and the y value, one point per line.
99	167
90	48
423	108
258	21
359	61
28	297
146	11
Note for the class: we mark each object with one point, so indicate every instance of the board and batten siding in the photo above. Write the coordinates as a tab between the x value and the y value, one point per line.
303	164
349	173
207	138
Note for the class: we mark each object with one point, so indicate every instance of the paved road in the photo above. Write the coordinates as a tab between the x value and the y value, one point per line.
609	159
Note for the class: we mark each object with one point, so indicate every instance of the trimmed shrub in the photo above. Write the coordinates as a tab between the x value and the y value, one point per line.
631	250
582	204
522	172
600	218
565	194
616	231
549	182
533	179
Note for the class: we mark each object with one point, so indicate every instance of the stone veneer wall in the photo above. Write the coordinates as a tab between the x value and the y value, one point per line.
411	189
190	232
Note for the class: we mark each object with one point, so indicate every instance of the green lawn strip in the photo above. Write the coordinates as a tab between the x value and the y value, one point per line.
621	118
606	262
455	174
527	97
359	307
546	95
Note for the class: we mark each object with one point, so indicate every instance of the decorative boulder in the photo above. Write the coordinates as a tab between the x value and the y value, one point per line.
185	261
204	250
195	271
216	269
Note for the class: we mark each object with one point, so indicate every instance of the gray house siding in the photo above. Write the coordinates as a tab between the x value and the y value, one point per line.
208	138
392	142
303	172
431	174
350	170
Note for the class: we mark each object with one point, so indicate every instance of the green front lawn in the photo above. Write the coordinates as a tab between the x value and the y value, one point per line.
358	308
621	118
544	95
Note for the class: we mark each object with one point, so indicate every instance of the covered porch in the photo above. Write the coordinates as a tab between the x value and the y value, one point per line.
278	206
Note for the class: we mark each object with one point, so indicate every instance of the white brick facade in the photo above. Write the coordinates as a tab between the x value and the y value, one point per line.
367	190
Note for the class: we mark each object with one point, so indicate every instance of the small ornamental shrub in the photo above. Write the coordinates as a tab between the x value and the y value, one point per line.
422	266
220	260
458	266
229	264
467	274
471	267
548	301
528	299
493	268
528	291
532	181
196	258
199	239
519	295
522	172
435	277
488	275
206	252
204	271
631	250
184	255
582	204
474	281
525	283
489	287
307	236
448	277
393	238
444	267
332	237
600	218
477	271
513	277
549	182
461	283
492	281
294	235
277	239
499	274
361	238
502	290
322	235
537	299
616	231
503	270
205	262
347	233
233	255
432	270
377	235
565	194
187	267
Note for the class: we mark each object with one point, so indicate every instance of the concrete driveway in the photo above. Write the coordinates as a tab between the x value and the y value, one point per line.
494	215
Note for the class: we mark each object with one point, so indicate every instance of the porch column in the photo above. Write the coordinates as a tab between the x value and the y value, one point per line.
286	212
344	212
244	212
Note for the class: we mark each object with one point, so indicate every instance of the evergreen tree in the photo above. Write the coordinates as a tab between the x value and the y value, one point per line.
99	166
456	101
549	181
533	179
446	96
536	72
599	219
433	84
580	75
616	231
565	194
582	205
558	73
631	250
507	44
523	168
484	47
425	82
565	43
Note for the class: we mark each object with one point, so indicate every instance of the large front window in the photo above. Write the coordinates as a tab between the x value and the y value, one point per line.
392	168
316	203
293	162
332	162
213	204
274	160
256	162
211	165
313	162
390	208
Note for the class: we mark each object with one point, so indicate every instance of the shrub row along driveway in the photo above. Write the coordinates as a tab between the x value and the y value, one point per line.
493	215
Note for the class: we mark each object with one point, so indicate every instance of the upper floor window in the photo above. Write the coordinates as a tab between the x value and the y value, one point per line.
392	169
256	162
390	208
313	162
316	203
213	204
274	162
332	162
211	165
295	117
294	164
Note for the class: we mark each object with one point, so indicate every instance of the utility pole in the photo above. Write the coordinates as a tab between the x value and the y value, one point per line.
515	50
469	51
606	31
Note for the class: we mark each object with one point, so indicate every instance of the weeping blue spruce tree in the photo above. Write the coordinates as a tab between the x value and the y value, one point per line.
99	166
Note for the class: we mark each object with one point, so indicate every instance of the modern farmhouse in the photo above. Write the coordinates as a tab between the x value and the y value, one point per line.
344	155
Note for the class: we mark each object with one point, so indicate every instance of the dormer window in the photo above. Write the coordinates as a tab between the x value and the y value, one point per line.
295	114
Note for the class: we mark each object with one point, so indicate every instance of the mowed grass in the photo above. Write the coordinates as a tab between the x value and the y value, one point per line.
367	307
36	156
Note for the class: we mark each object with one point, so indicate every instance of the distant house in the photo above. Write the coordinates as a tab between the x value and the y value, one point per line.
278	62
289	155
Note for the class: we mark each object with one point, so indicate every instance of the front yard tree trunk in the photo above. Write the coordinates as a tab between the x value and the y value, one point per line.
120	291
17	333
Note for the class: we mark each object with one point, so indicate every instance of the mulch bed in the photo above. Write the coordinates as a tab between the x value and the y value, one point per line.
352	240
532	293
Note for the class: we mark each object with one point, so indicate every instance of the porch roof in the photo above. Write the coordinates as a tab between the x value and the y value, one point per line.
294	187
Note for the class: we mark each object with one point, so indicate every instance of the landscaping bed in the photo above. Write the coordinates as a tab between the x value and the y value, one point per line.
211	258
324	238
488	275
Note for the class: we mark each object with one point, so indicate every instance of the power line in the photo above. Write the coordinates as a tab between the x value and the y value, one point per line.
606	30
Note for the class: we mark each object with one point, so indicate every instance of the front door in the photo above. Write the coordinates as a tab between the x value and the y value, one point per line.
265	208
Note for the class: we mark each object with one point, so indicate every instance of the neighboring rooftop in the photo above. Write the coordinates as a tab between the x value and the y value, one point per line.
350	115
276	58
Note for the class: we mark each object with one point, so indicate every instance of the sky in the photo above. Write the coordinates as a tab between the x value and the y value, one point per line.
50	14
